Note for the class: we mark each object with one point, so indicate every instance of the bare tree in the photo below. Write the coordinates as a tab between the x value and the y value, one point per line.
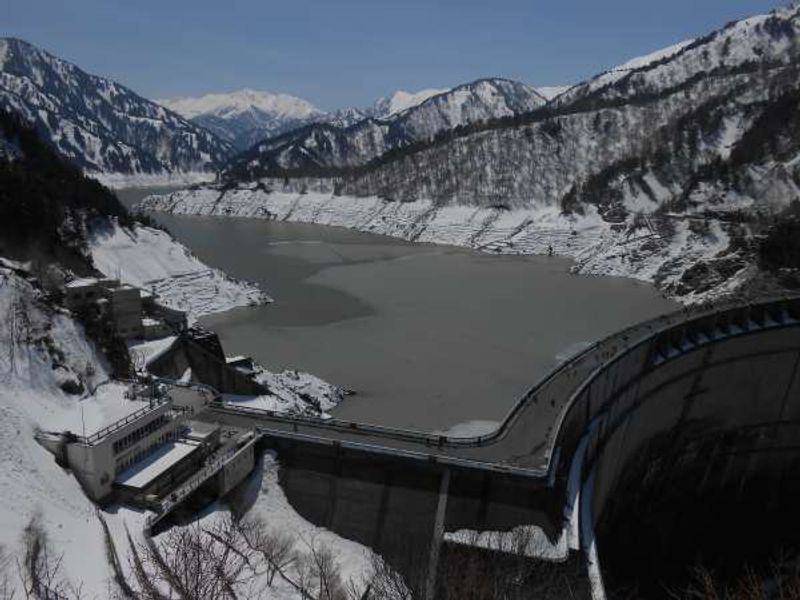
247	559
7	587
42	570
383	583
194	562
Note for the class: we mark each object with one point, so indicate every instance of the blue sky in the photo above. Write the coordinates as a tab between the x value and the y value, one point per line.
349	52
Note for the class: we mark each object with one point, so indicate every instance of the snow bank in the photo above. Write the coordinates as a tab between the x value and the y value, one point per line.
525	540
152	260
145	180
470	429
291	392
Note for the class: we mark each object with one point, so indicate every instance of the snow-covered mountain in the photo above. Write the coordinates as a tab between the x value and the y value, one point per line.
245	117
393	123
100	125
679	167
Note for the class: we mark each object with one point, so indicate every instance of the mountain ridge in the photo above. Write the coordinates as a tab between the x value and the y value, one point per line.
101	125
323	146
676	169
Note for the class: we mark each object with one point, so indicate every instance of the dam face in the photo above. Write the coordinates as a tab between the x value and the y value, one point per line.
391	504
671	444
694	452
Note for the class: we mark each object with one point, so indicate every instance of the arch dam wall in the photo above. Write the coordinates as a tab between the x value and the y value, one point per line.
698	410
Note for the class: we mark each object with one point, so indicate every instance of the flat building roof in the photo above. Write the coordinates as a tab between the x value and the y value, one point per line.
143	473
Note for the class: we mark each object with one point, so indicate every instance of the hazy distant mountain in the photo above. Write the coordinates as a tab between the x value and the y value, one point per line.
245	117
100	125
395	122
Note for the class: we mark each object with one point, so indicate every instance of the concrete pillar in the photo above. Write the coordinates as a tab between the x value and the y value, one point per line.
436	538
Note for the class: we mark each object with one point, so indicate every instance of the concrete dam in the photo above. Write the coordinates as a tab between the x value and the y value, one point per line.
674	438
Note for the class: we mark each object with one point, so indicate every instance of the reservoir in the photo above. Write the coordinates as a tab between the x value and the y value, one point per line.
429	337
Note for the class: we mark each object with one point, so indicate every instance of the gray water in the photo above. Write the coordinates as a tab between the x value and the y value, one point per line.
428	336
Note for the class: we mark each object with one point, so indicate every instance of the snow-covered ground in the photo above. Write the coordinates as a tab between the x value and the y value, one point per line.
32	484
152	260
292	392
273	508
264	502
525	540
146	180
598	247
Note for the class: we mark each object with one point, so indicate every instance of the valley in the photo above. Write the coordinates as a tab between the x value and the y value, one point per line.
412	325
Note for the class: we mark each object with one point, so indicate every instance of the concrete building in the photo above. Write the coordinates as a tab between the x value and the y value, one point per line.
82	292
97	459
126	310
133	314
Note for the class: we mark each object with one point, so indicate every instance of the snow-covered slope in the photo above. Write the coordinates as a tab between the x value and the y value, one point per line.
548	92
39	349
324	146
99	124
153	261
402	100
246	116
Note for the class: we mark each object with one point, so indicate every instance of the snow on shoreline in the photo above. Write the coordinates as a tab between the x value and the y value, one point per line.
597	247
119	181
291	392
152	260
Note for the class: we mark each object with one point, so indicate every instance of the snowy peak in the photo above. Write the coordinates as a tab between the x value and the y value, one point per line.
242	101
100	125
245	117
402	100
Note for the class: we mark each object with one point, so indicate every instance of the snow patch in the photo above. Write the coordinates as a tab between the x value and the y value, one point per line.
152	260
470	429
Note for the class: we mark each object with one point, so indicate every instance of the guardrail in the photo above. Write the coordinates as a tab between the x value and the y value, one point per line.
120	423
600	352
